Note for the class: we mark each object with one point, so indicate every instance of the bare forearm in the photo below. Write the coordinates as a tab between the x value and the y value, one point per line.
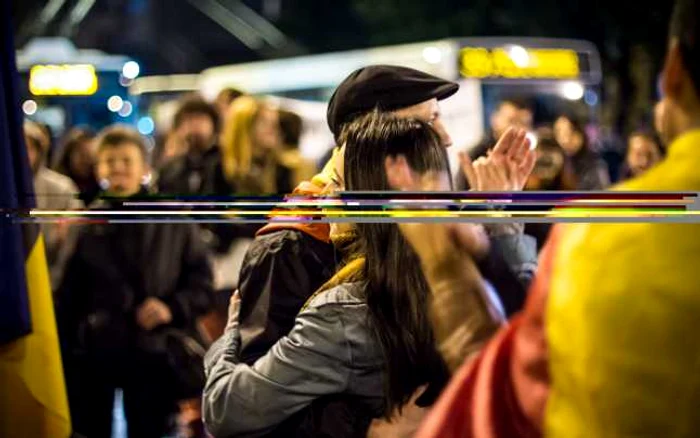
462	315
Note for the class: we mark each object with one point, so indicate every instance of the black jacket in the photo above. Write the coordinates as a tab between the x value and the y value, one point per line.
115	267
194	175
202	175
280	272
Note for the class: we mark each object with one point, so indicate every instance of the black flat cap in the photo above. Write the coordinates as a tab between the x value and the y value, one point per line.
388	87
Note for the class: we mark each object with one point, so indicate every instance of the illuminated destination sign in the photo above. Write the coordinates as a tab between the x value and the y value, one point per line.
63	80
517	62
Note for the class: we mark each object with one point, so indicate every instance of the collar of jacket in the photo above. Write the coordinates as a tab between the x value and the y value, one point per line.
346	274
319	231
315	187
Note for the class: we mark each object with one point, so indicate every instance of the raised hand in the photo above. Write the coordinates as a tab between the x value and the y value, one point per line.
507	166
462	314
435	243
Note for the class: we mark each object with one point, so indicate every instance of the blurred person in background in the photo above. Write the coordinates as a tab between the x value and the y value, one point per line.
128	304
591	172
552	171
48	134
224	100
76	159
251	143
603	346
168	147
365	333
644	151
291	128
509	113
197	171
53	192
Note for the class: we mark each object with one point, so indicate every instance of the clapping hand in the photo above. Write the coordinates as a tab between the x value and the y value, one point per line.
435	243
507	166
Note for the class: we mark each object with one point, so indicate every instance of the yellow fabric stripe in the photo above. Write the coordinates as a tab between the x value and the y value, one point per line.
33	401
621	318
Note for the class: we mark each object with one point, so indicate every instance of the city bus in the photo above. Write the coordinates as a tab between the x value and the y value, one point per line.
63	86
553	74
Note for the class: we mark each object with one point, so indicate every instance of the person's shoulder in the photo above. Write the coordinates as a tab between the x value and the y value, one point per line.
343	295
58	183
284	241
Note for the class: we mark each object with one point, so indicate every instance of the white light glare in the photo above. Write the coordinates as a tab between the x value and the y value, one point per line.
115	103
432	55
131	70
29	107
572	90
519	56
533	140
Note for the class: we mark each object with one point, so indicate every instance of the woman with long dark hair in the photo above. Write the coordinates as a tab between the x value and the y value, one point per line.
394	287
366	334
591	172
76	158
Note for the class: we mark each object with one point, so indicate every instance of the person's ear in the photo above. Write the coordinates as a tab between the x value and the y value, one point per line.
399	174
671	82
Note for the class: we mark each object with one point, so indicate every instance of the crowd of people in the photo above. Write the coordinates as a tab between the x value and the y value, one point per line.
126	293
377	329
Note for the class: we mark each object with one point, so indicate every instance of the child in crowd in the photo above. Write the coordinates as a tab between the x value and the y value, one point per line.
128	305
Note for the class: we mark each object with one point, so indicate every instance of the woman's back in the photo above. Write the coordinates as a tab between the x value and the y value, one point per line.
330	350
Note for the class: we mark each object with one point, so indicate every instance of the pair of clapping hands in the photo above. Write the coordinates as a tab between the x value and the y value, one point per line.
506	168
443	248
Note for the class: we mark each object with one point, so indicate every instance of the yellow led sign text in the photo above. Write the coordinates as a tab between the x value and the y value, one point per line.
63	80
519	63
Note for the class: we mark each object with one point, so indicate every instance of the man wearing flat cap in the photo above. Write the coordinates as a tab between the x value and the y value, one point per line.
287	262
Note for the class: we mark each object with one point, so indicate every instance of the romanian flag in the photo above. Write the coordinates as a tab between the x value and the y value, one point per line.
33	400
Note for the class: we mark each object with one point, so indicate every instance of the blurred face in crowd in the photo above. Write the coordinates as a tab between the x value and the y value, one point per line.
567	136
509	115
265	130
549	164
33	152
429	112
679	108
197	130
82	159
642	154
123	167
